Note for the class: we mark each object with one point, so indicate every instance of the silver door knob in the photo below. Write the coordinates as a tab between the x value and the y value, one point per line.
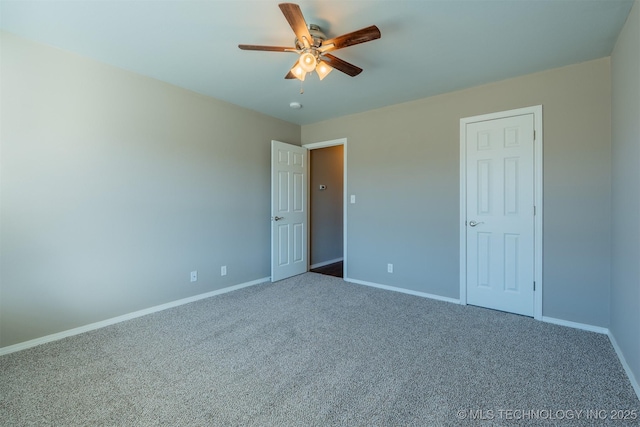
474	223
278	218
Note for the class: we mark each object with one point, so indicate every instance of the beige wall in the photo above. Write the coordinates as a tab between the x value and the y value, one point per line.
625	277
404	170
115	186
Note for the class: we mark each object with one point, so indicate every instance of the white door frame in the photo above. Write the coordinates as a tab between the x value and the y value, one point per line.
324	144
537	165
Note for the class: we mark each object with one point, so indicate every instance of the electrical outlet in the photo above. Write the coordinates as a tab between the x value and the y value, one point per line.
389	268
194	276
223	270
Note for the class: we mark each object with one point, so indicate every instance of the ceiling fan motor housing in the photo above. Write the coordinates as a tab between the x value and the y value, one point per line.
316	34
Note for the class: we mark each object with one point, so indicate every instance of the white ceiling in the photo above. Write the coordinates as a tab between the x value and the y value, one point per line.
427	47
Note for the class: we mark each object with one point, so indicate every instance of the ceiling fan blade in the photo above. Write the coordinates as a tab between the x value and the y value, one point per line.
294	16
350	39
341	65
266	48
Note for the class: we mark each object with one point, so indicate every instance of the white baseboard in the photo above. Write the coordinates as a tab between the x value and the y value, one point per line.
124	317
322	264
634	381
402	290
575	325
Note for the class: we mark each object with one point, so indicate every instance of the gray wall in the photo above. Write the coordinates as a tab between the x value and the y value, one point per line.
404	170
326	205
115	186
625	277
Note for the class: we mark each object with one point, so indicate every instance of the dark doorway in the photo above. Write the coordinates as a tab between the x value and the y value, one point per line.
326	198
335	269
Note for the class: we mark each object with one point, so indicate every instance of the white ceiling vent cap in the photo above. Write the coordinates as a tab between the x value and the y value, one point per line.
295	105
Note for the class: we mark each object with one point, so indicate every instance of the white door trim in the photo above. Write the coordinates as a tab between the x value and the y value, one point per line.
324	144
537	143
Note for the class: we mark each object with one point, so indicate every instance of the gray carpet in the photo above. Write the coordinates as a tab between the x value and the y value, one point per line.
316	351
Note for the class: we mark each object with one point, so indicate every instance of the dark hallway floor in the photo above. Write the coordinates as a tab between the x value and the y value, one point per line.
335	269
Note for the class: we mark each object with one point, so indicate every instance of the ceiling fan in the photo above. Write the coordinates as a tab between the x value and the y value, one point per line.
313	47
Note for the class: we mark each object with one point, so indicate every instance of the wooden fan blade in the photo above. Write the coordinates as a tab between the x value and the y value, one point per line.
341	65
266	48
294	16
350	39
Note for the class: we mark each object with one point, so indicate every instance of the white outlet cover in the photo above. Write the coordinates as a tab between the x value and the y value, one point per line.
194	276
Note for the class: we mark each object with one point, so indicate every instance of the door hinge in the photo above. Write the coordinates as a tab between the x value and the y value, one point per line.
534	210
534	286
534	134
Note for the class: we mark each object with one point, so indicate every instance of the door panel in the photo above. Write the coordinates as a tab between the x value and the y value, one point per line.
500	214
289	174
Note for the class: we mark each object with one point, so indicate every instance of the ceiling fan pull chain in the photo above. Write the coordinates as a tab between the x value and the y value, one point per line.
301	87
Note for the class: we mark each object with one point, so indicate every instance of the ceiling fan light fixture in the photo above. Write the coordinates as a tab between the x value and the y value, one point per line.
323	69
298	72
308	62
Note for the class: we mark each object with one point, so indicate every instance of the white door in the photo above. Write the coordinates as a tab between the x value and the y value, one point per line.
289	174
500	214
